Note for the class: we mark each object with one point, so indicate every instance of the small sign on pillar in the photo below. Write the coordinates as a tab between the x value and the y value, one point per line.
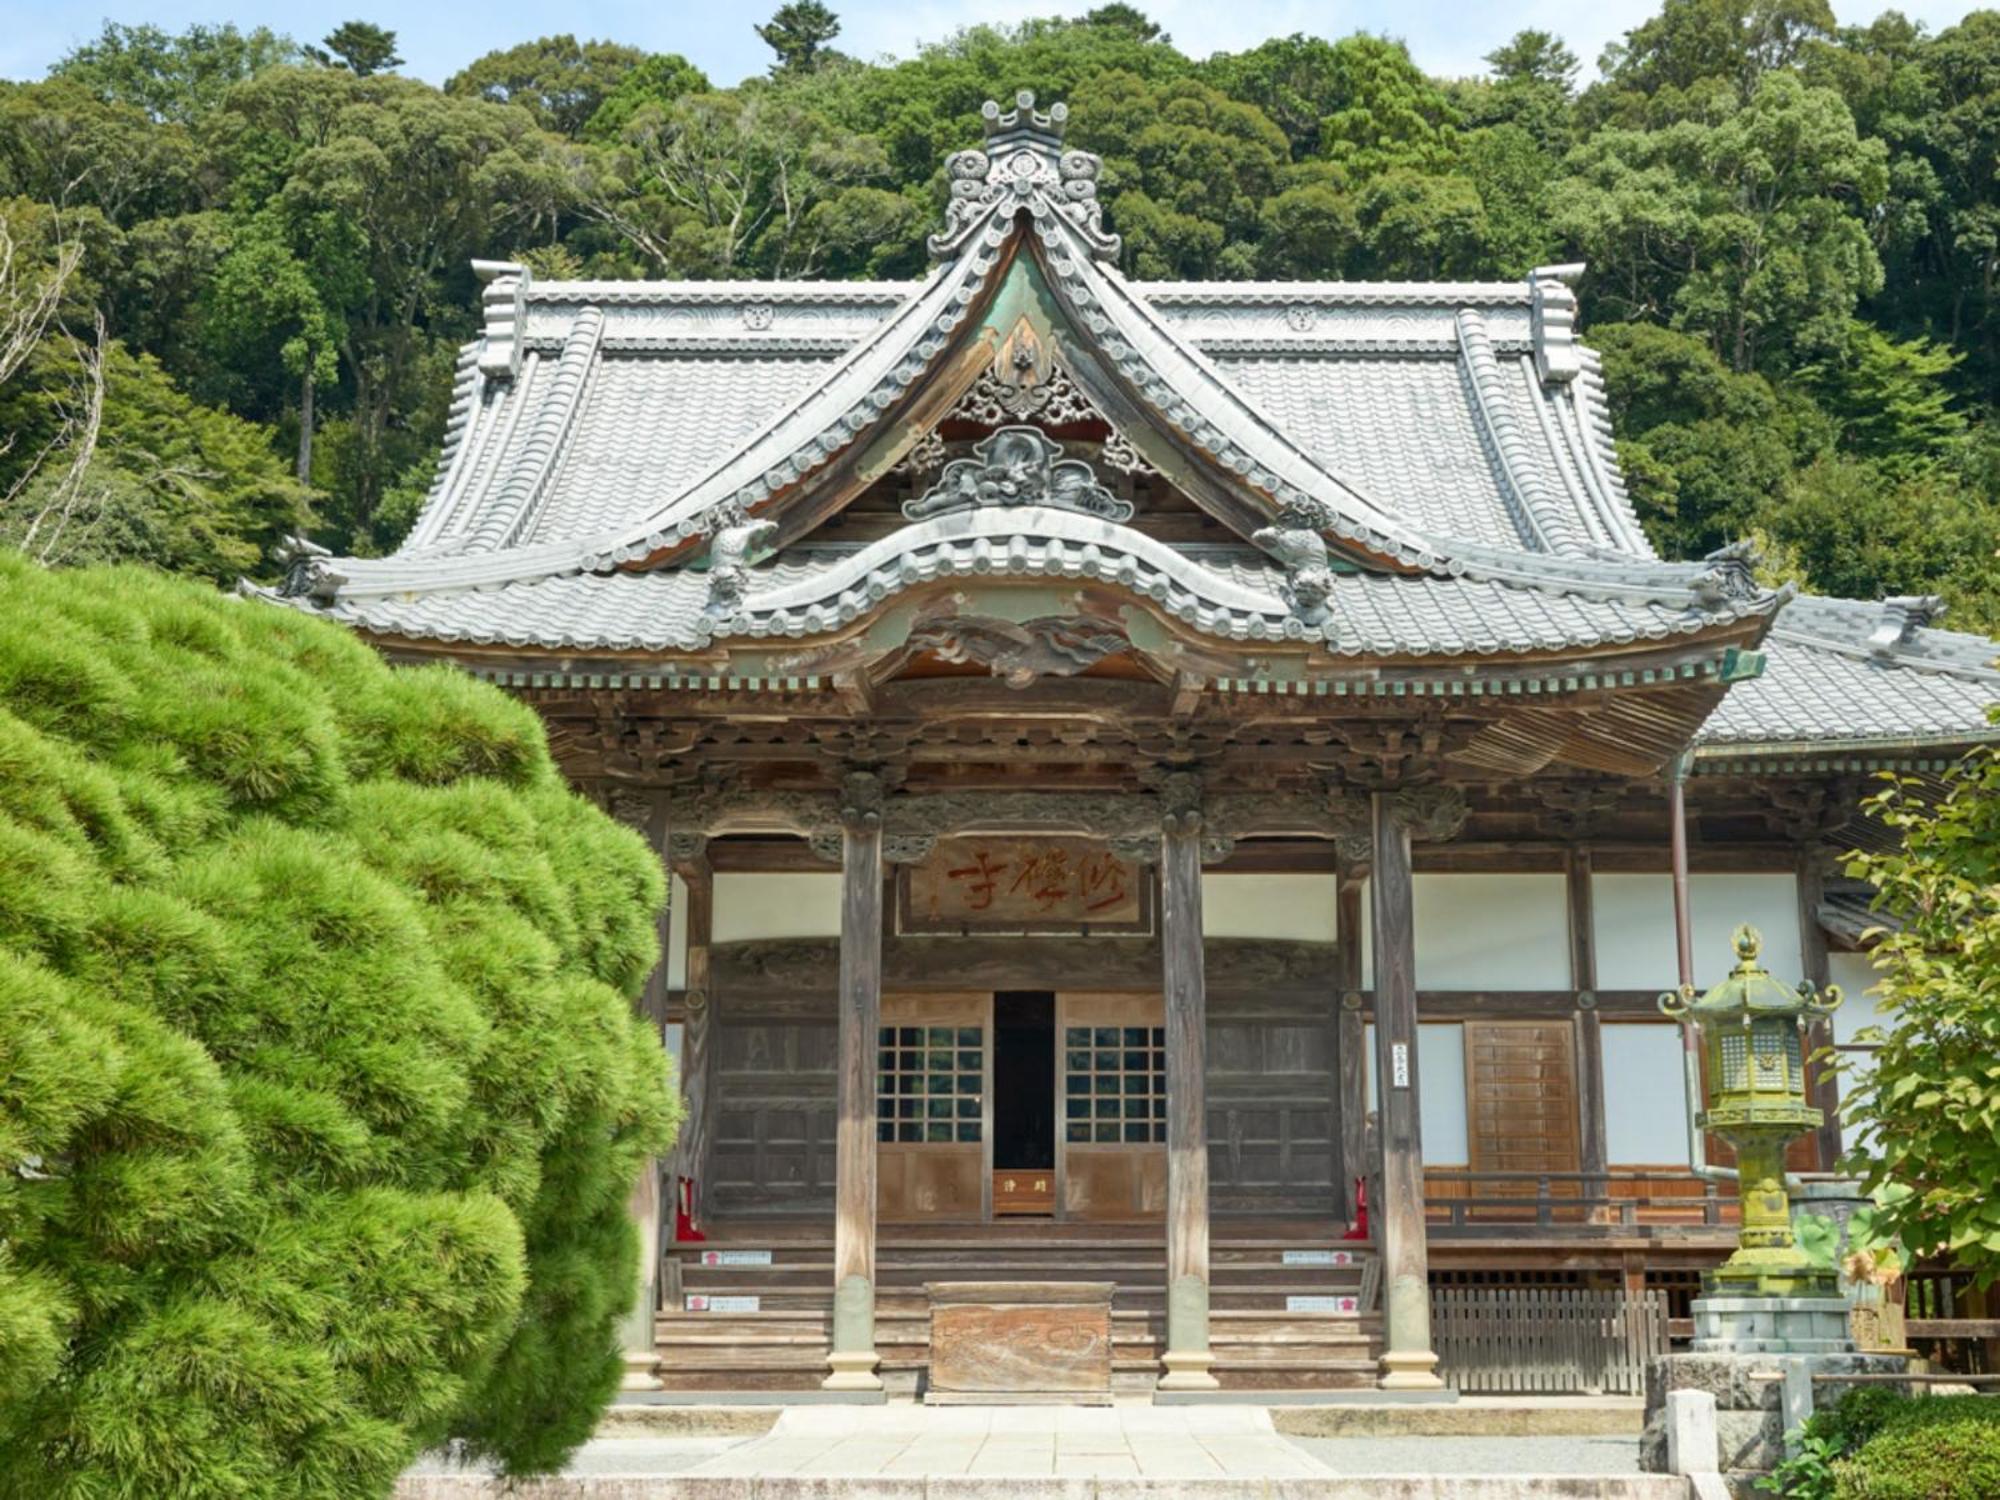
1399	1064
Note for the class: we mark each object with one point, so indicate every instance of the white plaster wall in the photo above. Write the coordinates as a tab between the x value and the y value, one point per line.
1440	1089
776	906
1855	975
1635	927
1484	932
1645	1100
677	934
1300	907
1492	932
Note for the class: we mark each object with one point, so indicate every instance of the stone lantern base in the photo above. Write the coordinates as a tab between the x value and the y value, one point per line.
1731	1324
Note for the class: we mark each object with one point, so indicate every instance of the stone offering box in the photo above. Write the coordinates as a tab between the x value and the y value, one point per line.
1000	1342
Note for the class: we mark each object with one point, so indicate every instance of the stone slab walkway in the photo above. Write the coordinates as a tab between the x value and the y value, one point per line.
1105	1442
1053	1453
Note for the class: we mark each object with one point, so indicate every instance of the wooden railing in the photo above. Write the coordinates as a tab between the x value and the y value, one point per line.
1550	1340
1593	1204
1951	1320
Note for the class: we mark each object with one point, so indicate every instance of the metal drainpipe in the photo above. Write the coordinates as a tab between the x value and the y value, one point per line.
1677	770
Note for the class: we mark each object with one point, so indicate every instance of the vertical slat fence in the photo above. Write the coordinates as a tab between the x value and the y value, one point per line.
1503	1341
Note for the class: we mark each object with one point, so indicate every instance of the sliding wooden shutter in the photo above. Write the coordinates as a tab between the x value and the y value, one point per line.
1520	1097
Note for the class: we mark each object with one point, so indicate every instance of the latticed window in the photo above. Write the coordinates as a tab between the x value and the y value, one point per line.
1735	1060
930	1084
1114	1084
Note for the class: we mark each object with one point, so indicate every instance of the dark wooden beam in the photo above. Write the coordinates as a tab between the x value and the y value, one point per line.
853	1358
1408	1362
1350	1058
1187	1358
1819	1035
1587	1025
690	1161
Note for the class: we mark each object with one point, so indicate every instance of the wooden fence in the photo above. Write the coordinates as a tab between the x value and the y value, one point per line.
1552	1340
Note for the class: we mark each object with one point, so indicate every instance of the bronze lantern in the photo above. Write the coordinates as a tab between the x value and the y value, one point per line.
1752	1032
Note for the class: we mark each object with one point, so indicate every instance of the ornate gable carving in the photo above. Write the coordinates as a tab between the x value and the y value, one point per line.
1018	466
1025	382
1021	655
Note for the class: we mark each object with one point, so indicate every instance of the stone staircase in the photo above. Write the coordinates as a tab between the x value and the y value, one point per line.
710	1339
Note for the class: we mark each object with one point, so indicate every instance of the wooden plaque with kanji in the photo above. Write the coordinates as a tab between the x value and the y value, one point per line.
1038	885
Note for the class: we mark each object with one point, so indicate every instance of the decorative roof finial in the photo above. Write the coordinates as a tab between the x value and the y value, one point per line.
1023	166
1023	122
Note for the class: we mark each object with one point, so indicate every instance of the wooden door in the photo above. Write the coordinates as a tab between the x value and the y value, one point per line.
1111	1089
933	1108
1520	1098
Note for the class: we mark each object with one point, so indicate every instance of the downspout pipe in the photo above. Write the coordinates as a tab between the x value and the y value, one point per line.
1677	770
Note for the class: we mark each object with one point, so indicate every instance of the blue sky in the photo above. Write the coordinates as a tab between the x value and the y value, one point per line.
438	38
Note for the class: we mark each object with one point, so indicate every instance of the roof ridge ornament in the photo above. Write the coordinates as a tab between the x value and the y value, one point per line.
1902	617
1730	577
1018	466
1552	322
1294	538
1023	166
737	537
504	303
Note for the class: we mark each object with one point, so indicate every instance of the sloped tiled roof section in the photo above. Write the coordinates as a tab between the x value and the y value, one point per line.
1230	593
1432	397
1841	674
1425	397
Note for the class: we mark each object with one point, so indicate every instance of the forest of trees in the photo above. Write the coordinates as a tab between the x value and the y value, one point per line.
234	269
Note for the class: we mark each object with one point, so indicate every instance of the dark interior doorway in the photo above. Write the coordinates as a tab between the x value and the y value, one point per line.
1024	1080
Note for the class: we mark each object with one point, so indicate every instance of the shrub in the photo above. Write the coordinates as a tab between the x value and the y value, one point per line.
1950	1452
320	1088
1876	1444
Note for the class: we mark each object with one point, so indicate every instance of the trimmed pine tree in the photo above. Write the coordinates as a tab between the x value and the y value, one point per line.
321	1092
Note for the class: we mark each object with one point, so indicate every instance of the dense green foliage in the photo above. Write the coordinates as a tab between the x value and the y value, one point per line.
320	1089
1931	1101
1876	1444
1792	228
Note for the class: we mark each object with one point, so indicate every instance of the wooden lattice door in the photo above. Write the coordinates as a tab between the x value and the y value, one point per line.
933	1107
1111	1090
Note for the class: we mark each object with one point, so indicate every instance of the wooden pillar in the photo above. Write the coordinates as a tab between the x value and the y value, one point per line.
637	1333
1408	1362
688	858
1350	1061
1187	1355
1589	1029
1818	973
852	1359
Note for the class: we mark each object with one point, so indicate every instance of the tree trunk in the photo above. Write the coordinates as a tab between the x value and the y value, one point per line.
306	425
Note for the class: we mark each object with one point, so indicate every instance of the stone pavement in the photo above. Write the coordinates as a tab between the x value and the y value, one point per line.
1090	1442
1065	1453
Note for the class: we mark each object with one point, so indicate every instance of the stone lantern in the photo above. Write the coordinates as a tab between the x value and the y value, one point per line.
1769	1295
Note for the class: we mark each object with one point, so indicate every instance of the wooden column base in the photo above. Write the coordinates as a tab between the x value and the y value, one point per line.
642	1370
1409	1370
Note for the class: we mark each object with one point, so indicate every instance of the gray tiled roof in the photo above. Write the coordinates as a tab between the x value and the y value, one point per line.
1456	433
1824	685
1230	593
